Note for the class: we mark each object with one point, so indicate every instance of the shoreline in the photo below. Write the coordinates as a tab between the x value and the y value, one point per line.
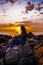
13	33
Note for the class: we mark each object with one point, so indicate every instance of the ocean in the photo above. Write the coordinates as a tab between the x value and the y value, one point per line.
13	33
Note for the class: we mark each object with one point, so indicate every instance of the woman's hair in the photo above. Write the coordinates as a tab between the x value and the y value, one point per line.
23	29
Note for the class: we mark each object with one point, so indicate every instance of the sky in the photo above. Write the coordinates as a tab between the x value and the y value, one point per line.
12	11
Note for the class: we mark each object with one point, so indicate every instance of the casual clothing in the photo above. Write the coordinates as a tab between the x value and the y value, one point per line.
17	40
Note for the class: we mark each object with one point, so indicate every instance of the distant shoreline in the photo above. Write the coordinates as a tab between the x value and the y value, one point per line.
37	33
16	33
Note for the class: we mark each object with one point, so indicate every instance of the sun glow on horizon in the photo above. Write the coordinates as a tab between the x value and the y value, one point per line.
18	29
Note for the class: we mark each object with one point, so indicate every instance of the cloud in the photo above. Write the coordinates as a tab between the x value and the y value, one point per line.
41	12
11	1
24	18
38	7
4	10
29	6
4	15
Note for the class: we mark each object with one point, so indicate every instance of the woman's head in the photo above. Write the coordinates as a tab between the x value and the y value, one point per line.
23	29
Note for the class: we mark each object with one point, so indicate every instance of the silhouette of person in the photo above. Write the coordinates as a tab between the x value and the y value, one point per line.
21	40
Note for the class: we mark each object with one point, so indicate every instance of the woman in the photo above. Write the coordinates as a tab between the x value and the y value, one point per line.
19	40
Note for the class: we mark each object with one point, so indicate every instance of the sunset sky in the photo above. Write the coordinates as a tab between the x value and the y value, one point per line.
12	11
